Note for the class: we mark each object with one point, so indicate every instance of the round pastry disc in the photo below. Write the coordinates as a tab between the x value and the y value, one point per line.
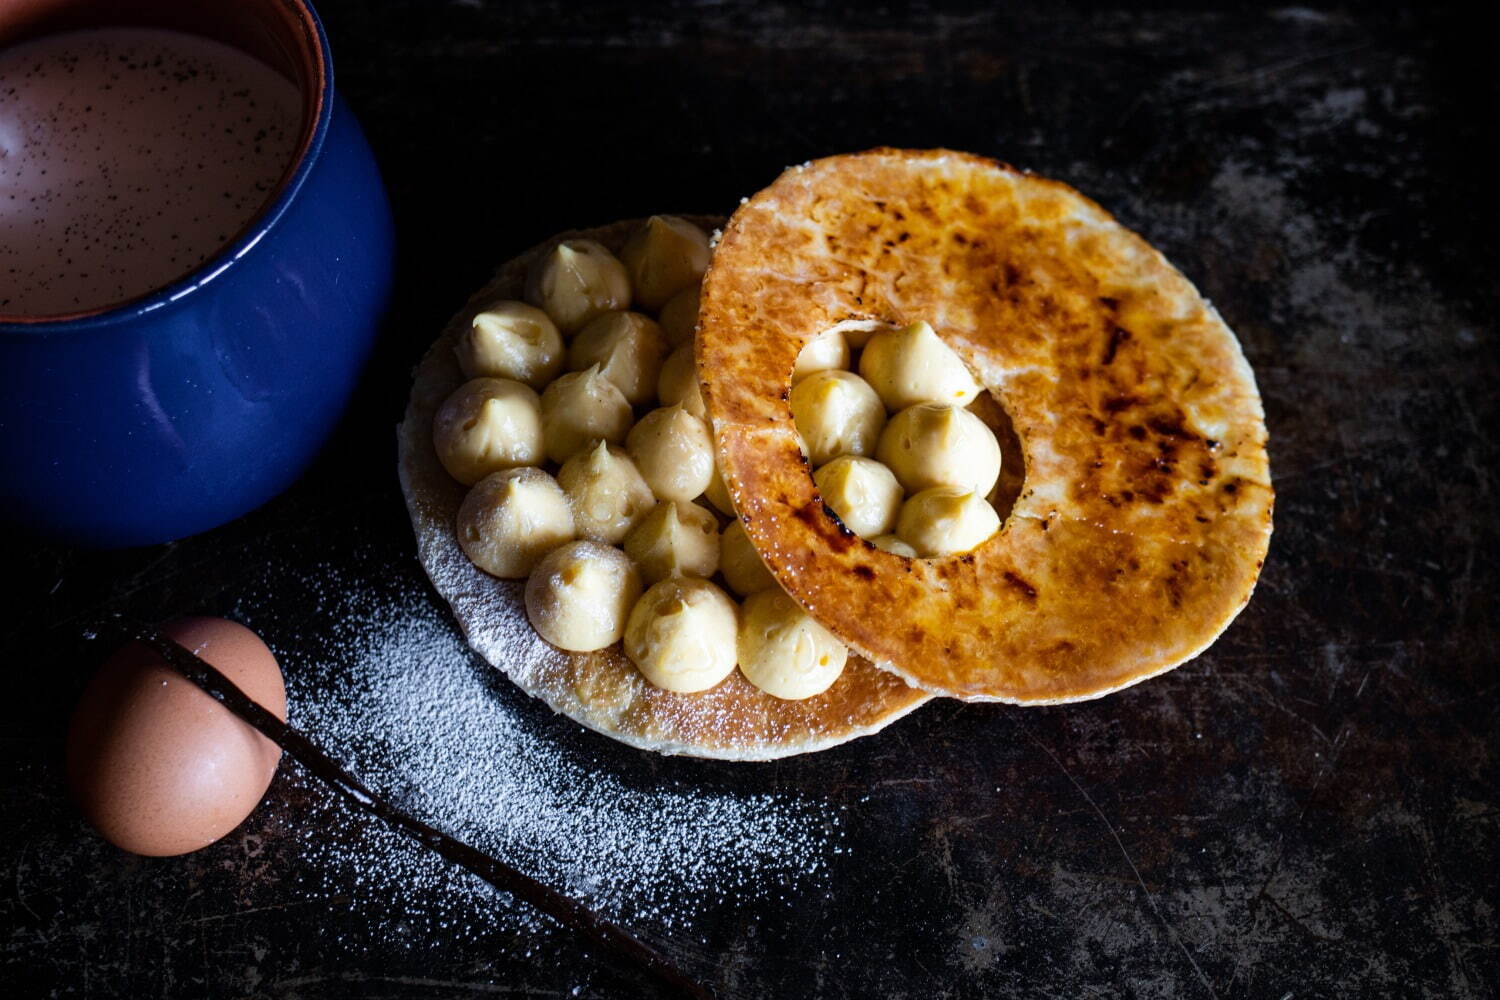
1145	511
603	690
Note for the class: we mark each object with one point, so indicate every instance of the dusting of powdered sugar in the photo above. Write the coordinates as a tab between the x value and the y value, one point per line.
380	677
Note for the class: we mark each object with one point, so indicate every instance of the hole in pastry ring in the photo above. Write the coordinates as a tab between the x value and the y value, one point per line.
1145	512
603	690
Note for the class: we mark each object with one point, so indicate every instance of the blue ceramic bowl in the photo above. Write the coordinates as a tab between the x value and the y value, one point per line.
181	410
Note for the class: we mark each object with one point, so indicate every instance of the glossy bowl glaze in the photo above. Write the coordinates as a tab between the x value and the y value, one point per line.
180	410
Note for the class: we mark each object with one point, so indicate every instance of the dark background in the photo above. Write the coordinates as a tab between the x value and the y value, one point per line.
1306	810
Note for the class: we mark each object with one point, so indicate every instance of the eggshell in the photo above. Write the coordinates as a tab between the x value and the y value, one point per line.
158	766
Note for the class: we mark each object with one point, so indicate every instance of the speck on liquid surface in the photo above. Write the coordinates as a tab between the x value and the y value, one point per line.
128	156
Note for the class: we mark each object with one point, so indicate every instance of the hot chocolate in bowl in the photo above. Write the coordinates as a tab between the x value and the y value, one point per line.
153	412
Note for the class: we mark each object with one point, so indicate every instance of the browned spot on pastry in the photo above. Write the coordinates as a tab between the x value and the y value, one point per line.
1117	336
1171	427
1017	581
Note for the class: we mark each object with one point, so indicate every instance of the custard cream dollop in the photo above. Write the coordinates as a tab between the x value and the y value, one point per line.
943	520
827	351
576	281
606	492
717	493
486	425
862	492
627	347
510	519
837	413
912	365
682	634
933	444
783	651
674	451
679	317
675	539
894	545
581	408
580	595
678	382
740	564
511	340
663	257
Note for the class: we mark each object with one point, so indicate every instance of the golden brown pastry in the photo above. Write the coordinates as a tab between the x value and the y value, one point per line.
1145	510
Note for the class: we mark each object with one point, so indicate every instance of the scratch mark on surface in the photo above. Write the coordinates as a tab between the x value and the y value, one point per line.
210	918
1328	768
1422	834
21	869
500	989
1150	897
898	782
1297	922
1260	74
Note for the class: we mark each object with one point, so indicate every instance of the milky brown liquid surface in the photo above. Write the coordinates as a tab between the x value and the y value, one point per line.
127	158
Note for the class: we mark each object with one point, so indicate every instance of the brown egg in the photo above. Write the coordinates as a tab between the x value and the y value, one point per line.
158	766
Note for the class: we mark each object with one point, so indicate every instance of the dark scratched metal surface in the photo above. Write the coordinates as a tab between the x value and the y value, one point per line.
1309	809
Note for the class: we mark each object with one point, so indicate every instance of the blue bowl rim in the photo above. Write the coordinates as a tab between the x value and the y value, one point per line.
227	256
